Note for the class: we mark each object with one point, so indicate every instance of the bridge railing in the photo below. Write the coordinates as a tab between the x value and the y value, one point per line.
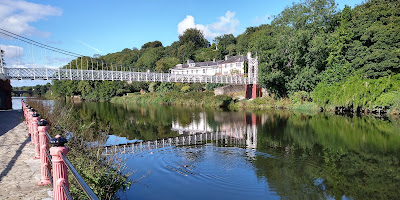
53	159
80	74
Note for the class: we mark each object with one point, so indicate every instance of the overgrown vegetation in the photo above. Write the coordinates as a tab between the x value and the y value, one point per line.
104	175
199	99
358	92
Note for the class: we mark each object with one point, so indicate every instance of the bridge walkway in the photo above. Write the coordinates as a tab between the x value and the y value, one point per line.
19	173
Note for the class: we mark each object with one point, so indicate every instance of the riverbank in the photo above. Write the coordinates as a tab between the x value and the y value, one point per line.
198	99
208	99
19	172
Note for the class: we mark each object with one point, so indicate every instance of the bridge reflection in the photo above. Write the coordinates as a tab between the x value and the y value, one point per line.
230	134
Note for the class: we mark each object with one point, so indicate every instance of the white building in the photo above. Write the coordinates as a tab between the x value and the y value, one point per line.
230	66
199	68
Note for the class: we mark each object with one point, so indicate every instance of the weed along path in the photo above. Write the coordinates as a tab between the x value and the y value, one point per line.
19	172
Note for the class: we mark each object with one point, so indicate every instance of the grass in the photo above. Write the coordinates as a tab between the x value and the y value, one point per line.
199	99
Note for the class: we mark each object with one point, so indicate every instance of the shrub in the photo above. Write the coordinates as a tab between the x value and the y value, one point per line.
300	97
104	175
359	92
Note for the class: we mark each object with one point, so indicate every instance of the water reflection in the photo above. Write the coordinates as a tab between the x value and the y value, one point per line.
268	154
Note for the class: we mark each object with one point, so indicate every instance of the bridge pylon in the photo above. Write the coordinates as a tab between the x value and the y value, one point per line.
5	95
252	90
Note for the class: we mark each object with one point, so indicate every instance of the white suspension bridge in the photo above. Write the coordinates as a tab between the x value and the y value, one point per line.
26	59
23	71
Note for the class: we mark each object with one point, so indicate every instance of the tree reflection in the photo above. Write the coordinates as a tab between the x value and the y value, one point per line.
354	157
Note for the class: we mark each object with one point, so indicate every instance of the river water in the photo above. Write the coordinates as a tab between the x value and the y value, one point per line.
255	155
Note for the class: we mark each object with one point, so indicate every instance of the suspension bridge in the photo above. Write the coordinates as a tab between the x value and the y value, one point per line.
35	65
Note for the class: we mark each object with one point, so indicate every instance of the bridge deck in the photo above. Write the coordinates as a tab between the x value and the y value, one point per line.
77	74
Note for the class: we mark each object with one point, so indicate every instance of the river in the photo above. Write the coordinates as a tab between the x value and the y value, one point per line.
270	154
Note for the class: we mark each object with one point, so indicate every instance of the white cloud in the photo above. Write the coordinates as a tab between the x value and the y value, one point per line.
16	16
226	24
11	51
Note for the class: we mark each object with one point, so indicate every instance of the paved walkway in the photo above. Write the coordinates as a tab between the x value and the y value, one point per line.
19	173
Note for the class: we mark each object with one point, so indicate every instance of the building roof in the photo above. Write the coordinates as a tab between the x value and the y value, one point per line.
234	59
206	64
197	65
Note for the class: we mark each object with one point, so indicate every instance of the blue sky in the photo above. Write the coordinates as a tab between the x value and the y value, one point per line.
91	27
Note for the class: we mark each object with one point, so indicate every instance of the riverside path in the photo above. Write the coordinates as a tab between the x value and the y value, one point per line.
19	172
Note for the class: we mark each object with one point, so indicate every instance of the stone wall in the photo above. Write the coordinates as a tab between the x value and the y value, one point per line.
5	95
224	90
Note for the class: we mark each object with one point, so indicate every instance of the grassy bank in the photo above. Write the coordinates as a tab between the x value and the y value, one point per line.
299	101
199	99
208	99
271	103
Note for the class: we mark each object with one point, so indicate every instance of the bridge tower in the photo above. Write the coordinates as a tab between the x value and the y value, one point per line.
252	91
5	87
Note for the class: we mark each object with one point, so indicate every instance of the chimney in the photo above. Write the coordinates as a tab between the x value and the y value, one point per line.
214	60
226	57
188	62
248	55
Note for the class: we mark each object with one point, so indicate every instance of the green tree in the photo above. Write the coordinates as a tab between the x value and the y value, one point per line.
166	63
166	87
154	44
85	88
149	58
205	54
223	42
376	42
194	36
186	51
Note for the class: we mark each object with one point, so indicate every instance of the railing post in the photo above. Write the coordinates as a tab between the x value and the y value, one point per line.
35	135
26	115
44	146
24	108
28	123
60	174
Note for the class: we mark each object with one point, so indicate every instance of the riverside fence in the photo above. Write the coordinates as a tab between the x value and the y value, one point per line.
53	161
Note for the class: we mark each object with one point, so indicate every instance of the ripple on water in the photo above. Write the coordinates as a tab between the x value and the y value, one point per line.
205	167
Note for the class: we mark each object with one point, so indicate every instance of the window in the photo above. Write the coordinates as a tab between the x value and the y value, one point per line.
238	65
204	71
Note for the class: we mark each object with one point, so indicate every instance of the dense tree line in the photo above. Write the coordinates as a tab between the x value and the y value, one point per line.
38	90
310	47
